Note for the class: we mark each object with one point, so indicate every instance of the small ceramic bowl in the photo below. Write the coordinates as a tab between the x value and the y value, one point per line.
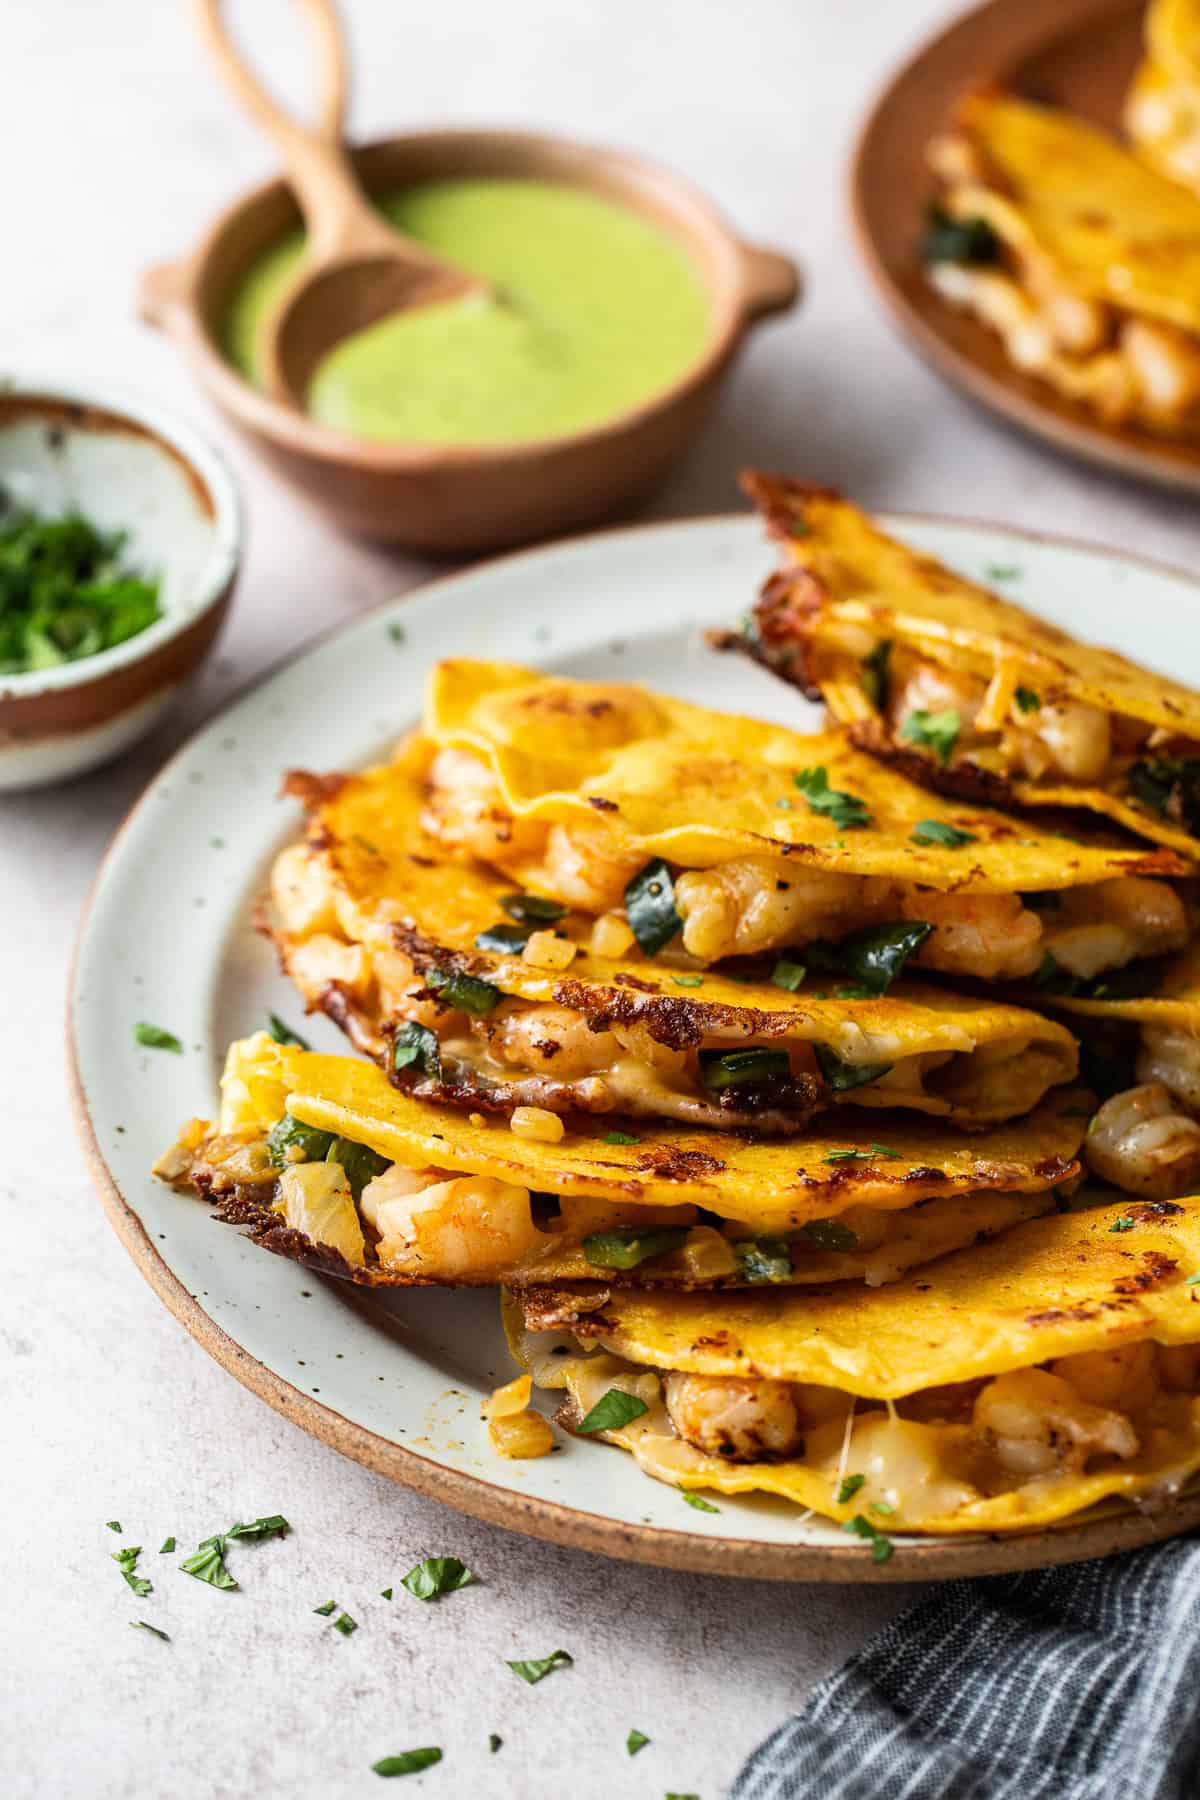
84	448
458	498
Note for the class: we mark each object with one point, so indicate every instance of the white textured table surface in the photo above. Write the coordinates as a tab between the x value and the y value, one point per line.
117	146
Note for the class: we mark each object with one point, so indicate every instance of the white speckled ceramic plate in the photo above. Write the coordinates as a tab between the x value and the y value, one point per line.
396	1381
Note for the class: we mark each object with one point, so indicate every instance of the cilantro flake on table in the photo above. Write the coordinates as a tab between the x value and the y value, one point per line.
436	1576
637	1740
539	1667
153	1037
126	1560
407	1762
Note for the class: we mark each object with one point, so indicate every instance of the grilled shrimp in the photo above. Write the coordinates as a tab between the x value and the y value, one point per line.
465	810
1066	737
1035	1423
993	937
301	892
552	1038
586	867
742	1420
1139	1141
1172	1057
756	903
1124	1378
1113	923
443	1226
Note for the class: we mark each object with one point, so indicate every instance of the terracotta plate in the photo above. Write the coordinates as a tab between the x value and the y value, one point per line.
396	1381
1079	54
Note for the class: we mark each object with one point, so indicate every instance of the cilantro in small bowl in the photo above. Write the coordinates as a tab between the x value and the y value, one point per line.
67	589
120	539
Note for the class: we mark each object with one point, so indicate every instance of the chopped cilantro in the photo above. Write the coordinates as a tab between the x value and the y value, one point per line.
936	831
688	981
847	811
871	1154
407	1762
142	1625
436	1576
283	1033
787	974
692	1498
323	1612
539	1667
153	1037
853	991
637	1740
621	1137
385	1593
849	1488
494	1741
345	1624
611	1412
289	1135
66	590
1124	1223
1027	700
830	1234
397	632
168	1545
207	1563
126	1561
650	907
933	731
359	1164
275	1525
113	1524
881	1545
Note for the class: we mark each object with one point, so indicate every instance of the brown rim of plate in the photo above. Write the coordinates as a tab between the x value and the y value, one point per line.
1078	53
942	1559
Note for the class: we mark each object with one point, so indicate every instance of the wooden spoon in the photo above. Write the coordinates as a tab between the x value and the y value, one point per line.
356	269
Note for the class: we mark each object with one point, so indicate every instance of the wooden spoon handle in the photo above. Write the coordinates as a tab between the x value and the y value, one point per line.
337	214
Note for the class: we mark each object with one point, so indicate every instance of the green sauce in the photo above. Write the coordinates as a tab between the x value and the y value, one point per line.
594	310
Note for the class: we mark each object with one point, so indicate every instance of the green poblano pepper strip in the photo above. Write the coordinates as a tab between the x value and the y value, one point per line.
650	907
625	1246
416	1046
841	1076
874	957
466	992
764	1259
720	1069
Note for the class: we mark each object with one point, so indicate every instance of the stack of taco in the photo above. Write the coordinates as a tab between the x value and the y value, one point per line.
746	1061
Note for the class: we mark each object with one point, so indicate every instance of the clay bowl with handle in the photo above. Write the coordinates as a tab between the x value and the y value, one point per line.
455	499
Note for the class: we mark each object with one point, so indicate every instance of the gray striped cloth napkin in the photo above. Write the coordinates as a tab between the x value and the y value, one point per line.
1079	1683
